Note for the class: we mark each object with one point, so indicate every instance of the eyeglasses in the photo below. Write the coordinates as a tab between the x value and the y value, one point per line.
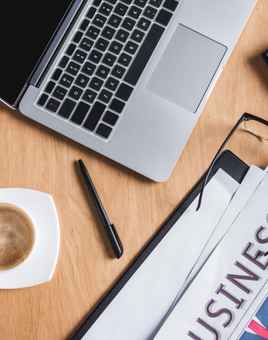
253	125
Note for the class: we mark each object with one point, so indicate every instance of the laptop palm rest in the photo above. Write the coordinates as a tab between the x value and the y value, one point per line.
187	68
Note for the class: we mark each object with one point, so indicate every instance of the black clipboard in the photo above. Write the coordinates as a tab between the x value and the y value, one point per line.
228	162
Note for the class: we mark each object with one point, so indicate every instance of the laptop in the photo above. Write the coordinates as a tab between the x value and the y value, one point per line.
125	78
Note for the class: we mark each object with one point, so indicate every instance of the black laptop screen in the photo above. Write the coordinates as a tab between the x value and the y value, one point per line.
25	30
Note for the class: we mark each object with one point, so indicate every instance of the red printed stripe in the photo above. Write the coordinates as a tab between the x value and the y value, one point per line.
258	329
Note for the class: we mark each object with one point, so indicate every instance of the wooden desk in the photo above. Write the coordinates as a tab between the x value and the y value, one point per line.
33	157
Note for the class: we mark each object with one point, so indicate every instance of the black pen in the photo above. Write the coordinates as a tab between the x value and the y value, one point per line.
109	228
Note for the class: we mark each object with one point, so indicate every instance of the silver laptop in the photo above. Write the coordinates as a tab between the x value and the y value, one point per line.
126	78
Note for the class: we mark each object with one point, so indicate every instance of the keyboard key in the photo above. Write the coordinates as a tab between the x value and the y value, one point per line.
67	108
82	80
110	118
128	24
105	96
73	68
117	106
96	3
111	1
80	56
70	50
78	36
140	3
42	100
111	83
115	47
115	20
94	116
64	61
86	44
53	105
104	130
144	24
109	59
88	68
56	75
134	12
80	113
128	2
50	86
59	92
108	32
137	35
150	12
120	9
91	12
84	25
124	92
118	71
96	84
93	32
95	56
66	80
144	54
103	71
75	93
163	17
124	59
99	20
89	96
131	47
171	4
106	9
122	35
102	44
156	3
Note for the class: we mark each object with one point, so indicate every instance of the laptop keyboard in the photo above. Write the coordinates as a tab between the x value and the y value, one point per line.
104	61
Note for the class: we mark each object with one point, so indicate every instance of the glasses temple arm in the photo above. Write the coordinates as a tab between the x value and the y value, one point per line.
244	117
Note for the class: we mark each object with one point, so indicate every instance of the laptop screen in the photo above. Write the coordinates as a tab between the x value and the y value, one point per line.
25	29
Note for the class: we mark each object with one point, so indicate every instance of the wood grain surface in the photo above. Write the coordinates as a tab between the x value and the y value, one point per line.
34	157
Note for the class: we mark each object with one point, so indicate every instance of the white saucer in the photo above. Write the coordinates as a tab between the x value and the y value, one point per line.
40	265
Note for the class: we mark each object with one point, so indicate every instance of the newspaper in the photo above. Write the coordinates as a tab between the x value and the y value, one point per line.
228	297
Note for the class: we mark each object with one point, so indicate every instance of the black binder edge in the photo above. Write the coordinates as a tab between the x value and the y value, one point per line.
228	162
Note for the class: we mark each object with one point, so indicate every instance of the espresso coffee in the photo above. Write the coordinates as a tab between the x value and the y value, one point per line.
17	236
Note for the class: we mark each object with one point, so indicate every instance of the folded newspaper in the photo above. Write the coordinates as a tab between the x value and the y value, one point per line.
225	295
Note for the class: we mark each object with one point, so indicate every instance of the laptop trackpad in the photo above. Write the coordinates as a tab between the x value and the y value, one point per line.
187	68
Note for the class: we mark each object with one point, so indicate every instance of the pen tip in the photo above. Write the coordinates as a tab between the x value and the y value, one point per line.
265	56
120	253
